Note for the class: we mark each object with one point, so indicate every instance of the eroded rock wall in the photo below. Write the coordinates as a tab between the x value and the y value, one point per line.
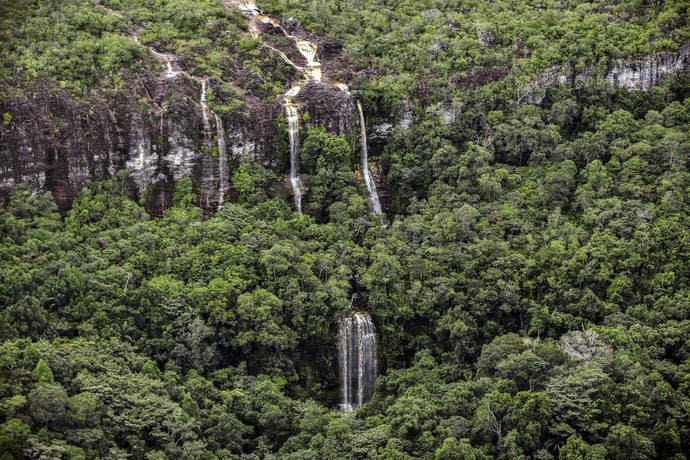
635	74
154	131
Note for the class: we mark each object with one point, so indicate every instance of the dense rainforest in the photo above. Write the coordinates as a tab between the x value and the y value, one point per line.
527	281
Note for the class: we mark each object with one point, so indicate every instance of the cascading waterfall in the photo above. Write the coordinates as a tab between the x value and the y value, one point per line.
311	72
357	359
170	73
293	133
204	106
368	179
357	348
222	162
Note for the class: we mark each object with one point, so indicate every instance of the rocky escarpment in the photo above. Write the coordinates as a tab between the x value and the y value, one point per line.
56	152
637	74
157	129
154	131
328	106
645	73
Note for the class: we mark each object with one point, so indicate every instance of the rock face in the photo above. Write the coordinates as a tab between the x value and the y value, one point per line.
645	73
53	142
328	106
58	143
331	53
638	74
160	128
276	38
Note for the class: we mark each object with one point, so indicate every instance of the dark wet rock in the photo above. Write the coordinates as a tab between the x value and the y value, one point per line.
379	131
479	76
55	143
378	136
333	57
327	106
275	37
59	143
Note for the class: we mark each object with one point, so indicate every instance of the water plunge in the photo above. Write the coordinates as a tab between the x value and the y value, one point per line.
357	359
311	72
368	179
293	133
222	162
204	106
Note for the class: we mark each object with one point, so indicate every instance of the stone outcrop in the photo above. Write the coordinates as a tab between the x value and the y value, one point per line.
645	73
58	143
638	74
328	106
331	53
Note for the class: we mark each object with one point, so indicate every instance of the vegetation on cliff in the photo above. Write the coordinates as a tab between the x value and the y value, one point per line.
83	47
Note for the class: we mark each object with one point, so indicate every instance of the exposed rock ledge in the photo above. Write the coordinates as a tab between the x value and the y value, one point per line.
58	143
637	74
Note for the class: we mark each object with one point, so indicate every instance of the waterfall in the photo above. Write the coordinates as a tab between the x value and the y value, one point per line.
311	73
222	162
368	180
357	359
204	106
170	71
293	133
248	8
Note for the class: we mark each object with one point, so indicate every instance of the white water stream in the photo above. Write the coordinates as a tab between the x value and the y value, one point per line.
311	72
222	162
357	347
368	179
357	359
171	73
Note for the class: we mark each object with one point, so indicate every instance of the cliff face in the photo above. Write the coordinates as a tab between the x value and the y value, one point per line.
640	74
645	73
56	143
155	131
159	128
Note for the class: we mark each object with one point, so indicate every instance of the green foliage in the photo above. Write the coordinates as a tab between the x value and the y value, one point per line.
13	434
252	182
42	373
81	46
327	160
